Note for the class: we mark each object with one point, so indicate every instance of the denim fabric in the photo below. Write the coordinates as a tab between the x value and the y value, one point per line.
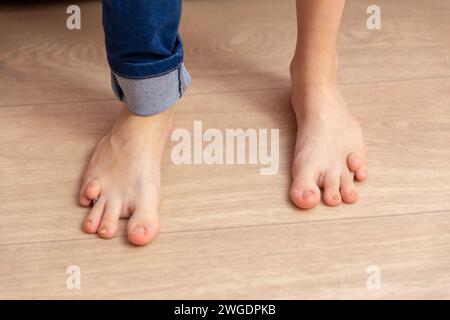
145	53
148	96
142	37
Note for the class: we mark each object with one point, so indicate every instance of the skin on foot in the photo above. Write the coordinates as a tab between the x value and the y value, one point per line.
122	179
329	151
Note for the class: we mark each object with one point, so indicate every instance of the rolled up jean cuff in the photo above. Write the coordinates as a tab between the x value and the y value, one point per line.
151	95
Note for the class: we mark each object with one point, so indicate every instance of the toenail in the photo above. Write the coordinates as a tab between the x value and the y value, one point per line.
307	194
139	230
352	194
103	230
88	222
335	197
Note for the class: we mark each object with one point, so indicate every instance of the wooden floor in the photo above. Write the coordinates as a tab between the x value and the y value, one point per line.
227	231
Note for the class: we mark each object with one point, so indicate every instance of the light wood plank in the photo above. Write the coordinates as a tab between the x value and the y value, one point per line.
230	46
313	260
407	132
228	232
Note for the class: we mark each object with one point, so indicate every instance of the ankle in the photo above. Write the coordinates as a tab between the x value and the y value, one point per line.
313	71
129	126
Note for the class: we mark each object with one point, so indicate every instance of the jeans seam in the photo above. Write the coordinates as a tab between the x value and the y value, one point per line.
118	88
146	77
180	89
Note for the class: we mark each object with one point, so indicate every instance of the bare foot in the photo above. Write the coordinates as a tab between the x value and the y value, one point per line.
330	150
124	175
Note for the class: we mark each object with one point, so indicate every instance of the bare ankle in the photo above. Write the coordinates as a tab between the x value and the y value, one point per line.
306	70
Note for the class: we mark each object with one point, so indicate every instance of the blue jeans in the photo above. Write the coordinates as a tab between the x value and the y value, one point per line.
145	53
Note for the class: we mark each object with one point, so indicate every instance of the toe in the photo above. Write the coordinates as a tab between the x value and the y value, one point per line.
90	192
331	194
354	161
143	226
92	221
361	174
347	189
110	219
304	191
357	163
84	201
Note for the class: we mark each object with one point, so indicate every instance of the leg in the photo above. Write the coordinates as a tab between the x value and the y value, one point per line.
123	176
329	150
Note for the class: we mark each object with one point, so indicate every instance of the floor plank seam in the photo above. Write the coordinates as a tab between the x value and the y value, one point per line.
347	84
298	223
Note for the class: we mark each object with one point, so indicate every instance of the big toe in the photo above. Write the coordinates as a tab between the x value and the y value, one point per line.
143	227
305	199
304	191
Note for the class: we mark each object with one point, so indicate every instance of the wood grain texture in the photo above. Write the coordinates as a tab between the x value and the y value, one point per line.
312	260
230	46
227	231
51	144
